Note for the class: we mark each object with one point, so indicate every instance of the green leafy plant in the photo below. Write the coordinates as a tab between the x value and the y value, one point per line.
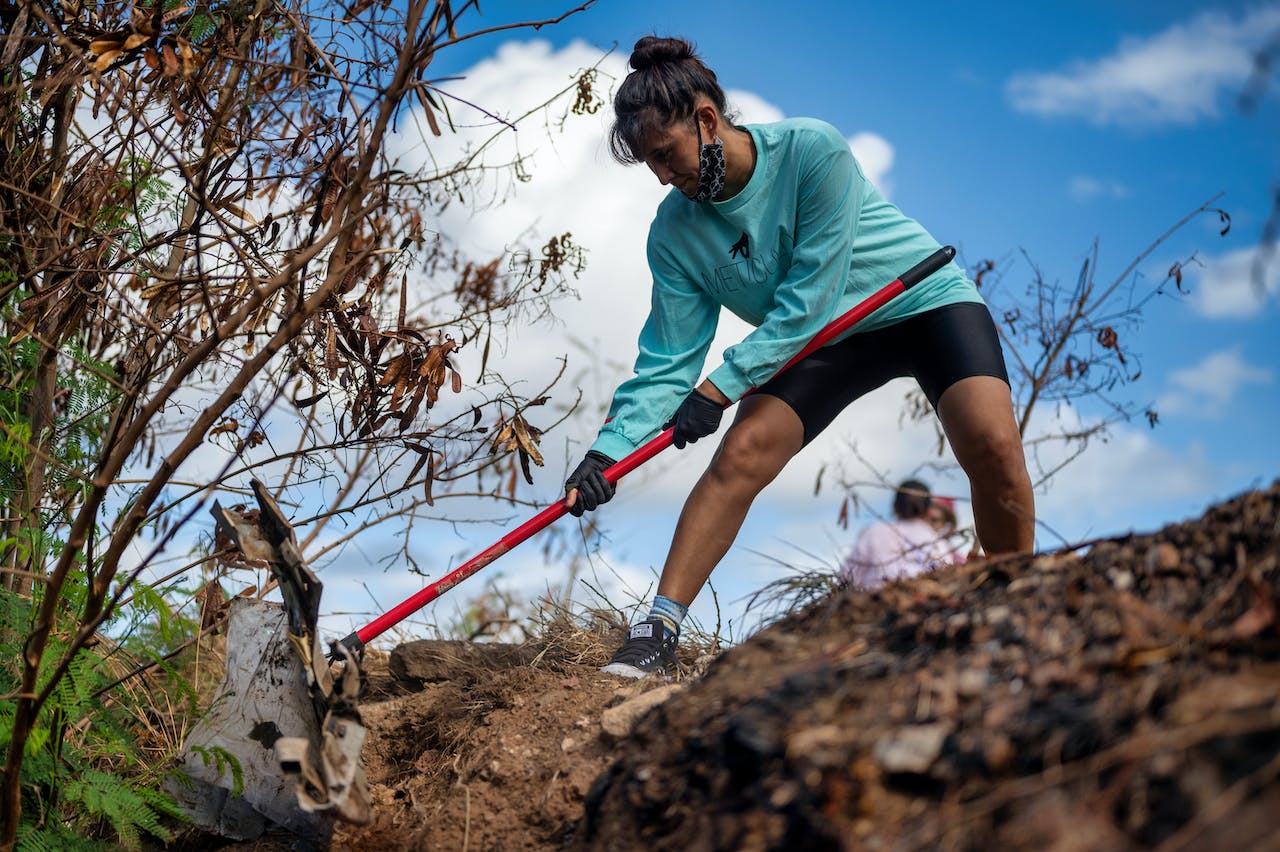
84	778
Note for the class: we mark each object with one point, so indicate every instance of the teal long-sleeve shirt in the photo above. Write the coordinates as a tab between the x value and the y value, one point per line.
808	238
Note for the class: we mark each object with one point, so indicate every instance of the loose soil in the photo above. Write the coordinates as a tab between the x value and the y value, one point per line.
1119	695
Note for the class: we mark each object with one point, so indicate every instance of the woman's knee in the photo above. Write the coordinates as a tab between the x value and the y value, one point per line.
992	452
753	450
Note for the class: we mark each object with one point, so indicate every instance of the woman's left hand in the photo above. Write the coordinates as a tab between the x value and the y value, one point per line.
697	417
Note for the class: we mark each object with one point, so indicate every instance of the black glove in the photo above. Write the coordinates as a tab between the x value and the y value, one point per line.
697	417
588	479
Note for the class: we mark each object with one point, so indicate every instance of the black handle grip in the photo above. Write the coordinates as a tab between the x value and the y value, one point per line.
352	643
927	267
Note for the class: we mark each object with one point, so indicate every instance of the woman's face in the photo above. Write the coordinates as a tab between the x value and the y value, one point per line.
672	156
672	153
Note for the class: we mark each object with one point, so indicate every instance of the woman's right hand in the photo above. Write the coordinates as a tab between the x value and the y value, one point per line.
586	488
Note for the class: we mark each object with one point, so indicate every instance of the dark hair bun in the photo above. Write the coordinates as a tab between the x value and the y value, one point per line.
651	50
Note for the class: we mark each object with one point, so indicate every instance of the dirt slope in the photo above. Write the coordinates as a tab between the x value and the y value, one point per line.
1123	696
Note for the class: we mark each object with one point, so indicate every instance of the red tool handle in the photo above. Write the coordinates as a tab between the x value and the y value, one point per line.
357	640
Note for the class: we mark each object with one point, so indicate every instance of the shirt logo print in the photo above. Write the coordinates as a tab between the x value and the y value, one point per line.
740	248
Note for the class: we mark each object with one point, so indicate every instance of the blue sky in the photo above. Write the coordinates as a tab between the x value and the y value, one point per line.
1004	128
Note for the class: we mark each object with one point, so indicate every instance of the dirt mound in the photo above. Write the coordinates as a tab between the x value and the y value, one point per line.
483	746
1123	696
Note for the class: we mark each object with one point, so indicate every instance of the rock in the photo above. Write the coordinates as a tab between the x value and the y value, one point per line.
433	660
701	665
998	614
1121	579
972	682
997	752
911	749
1164	557
619	720
824	745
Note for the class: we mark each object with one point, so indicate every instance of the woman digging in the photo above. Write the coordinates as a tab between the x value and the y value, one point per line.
777	223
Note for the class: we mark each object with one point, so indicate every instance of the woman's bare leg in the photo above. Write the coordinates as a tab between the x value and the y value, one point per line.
764	436
977	416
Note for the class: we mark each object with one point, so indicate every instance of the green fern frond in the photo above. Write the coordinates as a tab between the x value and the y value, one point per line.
53	837
128	811
223	761
162	804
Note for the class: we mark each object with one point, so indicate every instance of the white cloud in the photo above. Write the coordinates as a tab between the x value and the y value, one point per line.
1125	477
1225	287
1210	385
750	108
1083	188
875	154
1174	77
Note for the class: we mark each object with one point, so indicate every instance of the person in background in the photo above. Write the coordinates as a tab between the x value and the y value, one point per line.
903	547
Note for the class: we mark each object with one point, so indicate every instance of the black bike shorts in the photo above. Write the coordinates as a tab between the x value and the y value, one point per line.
939	348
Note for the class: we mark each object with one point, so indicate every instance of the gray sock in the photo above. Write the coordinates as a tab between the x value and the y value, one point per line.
671	612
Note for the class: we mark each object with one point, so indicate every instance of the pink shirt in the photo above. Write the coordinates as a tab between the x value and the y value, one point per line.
891	550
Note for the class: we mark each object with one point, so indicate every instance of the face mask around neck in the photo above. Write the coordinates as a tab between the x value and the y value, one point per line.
711	167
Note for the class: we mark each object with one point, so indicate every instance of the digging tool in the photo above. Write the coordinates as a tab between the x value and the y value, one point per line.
280	747
356	641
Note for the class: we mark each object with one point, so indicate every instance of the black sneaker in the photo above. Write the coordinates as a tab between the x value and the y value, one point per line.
649	650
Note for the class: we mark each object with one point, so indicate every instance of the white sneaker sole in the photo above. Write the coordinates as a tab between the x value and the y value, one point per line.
625	670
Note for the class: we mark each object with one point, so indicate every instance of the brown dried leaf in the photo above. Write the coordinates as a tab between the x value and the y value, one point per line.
331	361
229	425
417	466
504	438
394	369
253	439
329	199
105	45
431	475
212	603
524	466
427	109
1139	658
411	410
402	385
188	56
308	401
433	363
238	211
355	9
526	437
172	66
103	61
